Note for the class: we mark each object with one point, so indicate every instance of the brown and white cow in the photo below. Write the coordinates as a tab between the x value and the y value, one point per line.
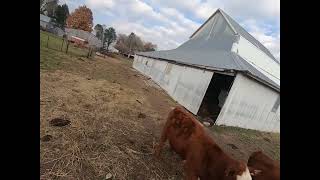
263	167
203	158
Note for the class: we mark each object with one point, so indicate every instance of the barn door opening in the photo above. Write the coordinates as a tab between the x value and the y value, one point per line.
215	97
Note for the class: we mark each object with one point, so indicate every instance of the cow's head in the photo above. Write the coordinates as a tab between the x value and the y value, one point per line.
254	171
239	171
183	122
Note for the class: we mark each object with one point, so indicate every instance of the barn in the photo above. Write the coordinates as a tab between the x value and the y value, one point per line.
221	74
44	21
84	35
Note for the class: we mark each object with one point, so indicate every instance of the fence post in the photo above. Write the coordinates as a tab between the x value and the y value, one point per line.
67	47
89	52
62	45
48	42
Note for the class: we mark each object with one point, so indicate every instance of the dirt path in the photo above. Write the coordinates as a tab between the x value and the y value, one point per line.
116	116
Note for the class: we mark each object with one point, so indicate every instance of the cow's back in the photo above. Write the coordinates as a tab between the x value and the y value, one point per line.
182	129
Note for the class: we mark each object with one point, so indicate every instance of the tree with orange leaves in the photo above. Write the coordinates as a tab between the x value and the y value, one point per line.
81	18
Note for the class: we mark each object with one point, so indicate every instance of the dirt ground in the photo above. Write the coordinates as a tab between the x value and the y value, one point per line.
116	116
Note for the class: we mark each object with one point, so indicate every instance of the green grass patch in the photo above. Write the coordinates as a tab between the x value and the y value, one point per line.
222	129
51	41
244	133
49	59
267	141
122	58
51	56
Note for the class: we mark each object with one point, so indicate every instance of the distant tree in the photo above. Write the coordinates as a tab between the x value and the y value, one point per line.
130	41
129	44
61	14
109	36
134	43
81	18
121	43
41	2
149	46
41	8
99	31
48	7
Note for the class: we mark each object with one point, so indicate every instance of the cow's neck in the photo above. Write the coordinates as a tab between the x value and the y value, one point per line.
216	155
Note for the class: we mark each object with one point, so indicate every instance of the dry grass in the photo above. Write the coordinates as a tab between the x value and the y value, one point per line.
242	142
106	134
116	118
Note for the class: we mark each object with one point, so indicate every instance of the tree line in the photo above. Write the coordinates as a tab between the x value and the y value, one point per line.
126	44
129	44
58	13
82	18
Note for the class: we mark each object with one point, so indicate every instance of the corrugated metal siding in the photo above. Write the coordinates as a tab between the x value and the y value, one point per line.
191	88
211	46
249	106
184	84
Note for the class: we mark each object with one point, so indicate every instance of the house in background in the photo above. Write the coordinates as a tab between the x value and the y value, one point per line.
44	21
47	24
112	48
222	74
83	35
78	41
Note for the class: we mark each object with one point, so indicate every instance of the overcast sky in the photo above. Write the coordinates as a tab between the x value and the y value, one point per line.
169	23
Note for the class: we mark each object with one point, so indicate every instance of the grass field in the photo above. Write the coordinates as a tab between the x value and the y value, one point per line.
240	141
116	116
57	43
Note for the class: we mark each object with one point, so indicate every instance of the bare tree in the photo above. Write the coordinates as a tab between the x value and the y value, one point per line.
121	43
134	43
48	7
131	44
148	46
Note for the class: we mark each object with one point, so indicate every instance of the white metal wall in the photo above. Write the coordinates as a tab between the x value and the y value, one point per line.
258	59
184	84
249	105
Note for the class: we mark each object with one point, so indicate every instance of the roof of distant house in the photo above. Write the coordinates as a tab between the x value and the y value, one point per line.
44	18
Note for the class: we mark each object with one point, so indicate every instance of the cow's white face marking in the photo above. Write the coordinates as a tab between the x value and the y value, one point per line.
245	175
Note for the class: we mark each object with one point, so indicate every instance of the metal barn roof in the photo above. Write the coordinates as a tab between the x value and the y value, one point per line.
210	48
248	36
91	38
44	18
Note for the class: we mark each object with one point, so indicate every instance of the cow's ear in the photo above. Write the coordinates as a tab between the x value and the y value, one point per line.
255	172
177	109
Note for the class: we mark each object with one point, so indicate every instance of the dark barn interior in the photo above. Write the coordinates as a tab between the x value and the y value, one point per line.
215	96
